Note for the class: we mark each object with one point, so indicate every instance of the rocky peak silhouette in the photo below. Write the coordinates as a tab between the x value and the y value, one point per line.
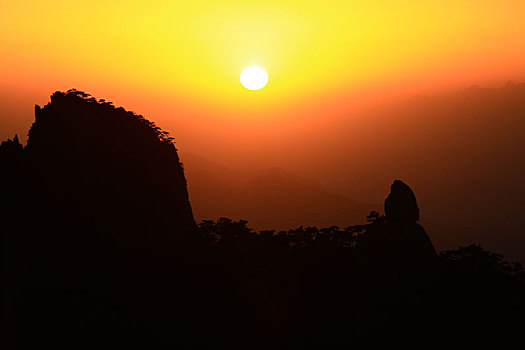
401	204
107	166
11	152
94	181
397	241
97	201
10	147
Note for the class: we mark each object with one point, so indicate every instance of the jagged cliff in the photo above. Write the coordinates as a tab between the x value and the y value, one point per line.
95	208
87	161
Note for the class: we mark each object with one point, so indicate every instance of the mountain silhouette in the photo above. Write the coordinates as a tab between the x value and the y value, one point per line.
100	249
97	205
268	198
89	155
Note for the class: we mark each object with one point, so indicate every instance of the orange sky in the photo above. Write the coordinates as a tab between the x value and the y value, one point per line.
178	62
336	71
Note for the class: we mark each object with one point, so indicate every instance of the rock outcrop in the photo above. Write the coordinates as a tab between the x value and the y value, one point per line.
397	241
109	169
401	204
98	222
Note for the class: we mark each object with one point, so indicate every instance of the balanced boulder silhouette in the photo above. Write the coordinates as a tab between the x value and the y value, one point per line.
401	204
396	240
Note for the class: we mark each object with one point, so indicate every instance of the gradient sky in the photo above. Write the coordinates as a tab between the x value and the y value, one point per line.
335	68
178	62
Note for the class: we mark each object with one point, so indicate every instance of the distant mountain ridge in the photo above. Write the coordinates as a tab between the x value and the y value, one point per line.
461	151
268	198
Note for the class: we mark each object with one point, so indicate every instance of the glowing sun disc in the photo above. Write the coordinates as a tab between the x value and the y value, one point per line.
254	78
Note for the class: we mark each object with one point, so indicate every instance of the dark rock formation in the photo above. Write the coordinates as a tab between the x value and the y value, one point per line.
10	147
397	242
97	211
401	204
10	169
106	167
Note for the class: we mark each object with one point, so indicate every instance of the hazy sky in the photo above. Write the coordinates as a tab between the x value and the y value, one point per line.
178	62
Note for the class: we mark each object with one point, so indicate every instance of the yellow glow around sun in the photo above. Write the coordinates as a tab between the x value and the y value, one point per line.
254	78
317	53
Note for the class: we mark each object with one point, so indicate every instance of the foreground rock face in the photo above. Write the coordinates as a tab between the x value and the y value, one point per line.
398	241
98	211
95	187
107	167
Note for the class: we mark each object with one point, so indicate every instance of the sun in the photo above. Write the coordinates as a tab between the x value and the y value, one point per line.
254	78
